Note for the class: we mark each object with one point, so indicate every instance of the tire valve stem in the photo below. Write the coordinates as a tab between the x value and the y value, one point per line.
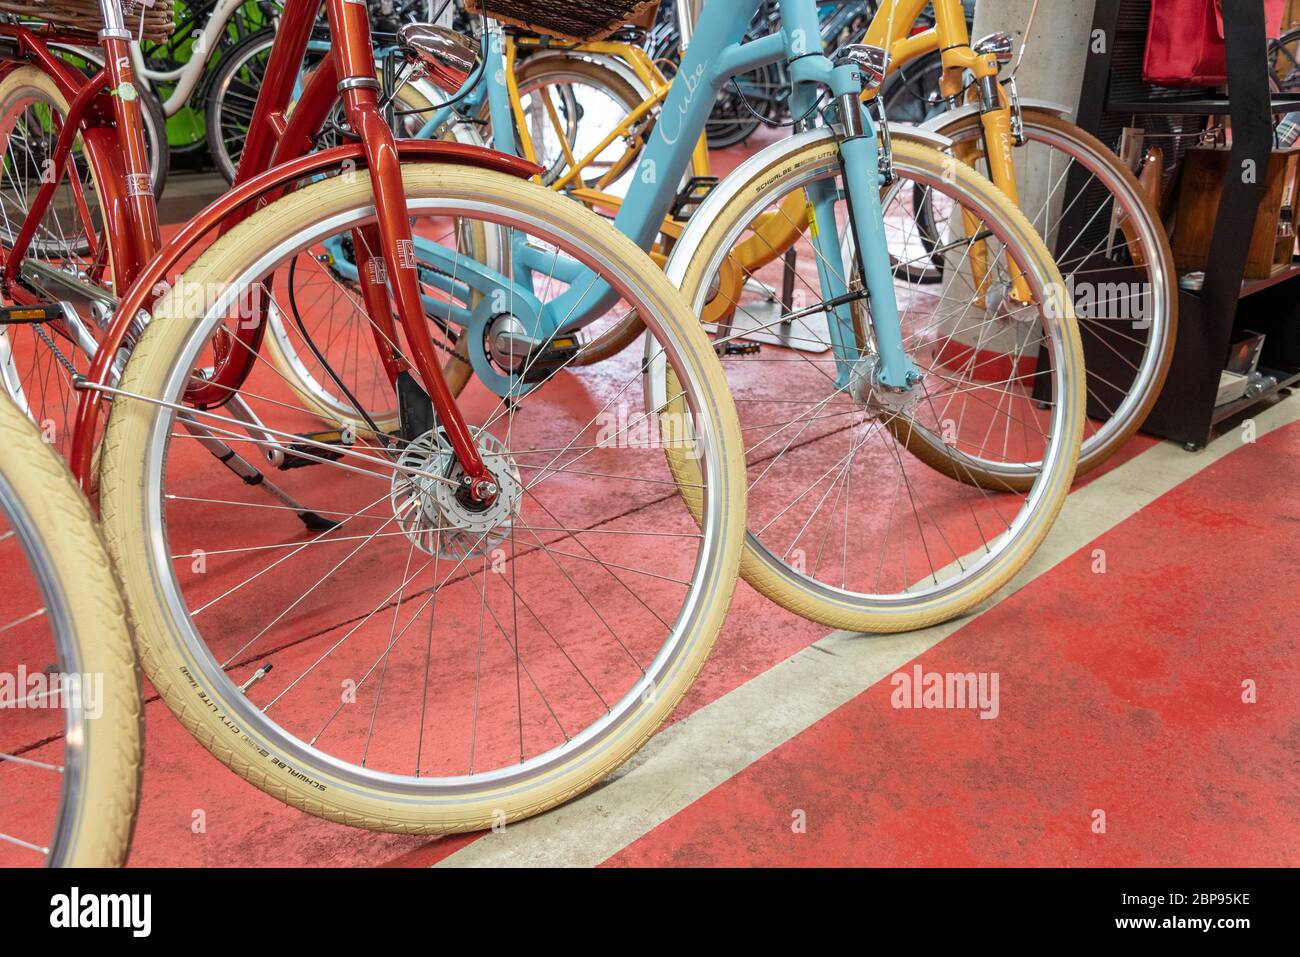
257	676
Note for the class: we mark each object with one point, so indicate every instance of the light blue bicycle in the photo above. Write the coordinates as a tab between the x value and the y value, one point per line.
909	445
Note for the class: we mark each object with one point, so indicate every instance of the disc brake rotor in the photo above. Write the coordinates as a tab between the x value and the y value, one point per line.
435	515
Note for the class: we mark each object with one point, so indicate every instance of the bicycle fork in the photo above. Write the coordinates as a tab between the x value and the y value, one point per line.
360	91
860	160
1002	131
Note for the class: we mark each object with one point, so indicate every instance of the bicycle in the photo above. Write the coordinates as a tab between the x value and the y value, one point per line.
1116	259
513	545
847	351
70	707
172	70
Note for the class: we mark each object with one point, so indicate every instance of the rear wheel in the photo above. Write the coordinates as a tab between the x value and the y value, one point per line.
570	102
1284	61
1117	265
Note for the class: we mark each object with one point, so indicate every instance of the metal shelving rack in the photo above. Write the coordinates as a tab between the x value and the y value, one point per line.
1113	96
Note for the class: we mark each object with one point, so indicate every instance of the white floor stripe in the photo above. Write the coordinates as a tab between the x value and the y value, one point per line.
690	758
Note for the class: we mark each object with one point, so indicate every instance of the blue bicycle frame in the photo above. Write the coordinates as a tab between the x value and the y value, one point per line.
716	53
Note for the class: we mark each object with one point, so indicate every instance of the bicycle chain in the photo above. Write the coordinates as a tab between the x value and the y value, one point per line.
58	354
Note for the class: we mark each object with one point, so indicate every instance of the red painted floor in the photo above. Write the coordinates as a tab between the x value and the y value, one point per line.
1118	692
1133	708
1090	718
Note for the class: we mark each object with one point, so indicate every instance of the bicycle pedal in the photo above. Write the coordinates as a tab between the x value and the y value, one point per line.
30	315
299	455
547	359
741	349
696	191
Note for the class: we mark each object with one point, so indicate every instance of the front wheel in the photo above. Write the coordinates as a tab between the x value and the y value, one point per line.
412	661
70	734
856	519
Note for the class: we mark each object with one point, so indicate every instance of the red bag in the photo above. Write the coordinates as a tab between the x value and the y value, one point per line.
1185	41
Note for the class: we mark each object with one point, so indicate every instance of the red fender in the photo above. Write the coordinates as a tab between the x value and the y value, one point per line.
141	294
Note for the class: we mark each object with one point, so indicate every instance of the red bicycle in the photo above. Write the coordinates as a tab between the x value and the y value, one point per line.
407	609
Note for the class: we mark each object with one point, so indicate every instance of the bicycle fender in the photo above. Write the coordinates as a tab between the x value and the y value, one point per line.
239	201
611	63
925	137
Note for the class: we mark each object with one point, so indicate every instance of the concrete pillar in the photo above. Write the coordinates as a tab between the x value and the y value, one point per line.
1052	70
1058	42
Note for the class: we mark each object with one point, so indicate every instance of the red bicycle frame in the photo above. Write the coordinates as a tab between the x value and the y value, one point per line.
105	111
273	159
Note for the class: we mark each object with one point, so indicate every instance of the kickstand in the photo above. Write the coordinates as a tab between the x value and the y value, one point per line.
251	475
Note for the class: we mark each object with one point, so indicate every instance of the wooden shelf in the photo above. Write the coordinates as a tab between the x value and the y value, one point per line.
1252	286
1285	380
1196	104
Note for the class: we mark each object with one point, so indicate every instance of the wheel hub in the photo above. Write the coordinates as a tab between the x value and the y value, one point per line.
1001	304
867	390
436	515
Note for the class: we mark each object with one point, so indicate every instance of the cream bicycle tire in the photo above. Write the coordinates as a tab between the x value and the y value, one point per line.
204	708
101	789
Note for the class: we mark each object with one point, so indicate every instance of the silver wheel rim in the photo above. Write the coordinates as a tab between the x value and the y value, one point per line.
599	738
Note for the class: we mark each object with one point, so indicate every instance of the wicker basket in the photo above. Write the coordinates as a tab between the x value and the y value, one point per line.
575	20
83	16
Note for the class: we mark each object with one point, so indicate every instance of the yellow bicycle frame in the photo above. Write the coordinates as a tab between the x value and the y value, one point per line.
891	29
650	77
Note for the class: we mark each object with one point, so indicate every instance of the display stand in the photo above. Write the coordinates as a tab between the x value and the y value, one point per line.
1114	95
